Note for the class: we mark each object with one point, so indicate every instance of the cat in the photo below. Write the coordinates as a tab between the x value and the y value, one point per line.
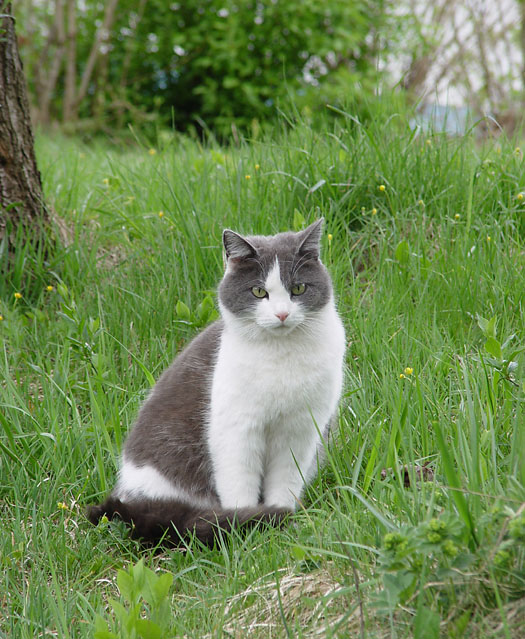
234	428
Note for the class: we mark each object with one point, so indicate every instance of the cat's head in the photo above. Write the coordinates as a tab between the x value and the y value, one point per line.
274	283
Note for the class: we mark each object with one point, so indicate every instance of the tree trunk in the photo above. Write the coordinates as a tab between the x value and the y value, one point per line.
21	199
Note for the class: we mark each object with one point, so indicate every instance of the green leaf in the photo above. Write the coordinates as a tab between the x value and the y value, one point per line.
204	309
104	634
148	629
101	629
125	585
120	611
426	624
395	585
62	290
182	311
230	82
163	585
298	221
298	552
488	327
402	252
493	347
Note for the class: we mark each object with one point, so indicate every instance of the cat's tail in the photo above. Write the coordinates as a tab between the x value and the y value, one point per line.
172	521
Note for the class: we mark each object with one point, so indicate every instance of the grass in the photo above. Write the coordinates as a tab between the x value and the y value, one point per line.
420	269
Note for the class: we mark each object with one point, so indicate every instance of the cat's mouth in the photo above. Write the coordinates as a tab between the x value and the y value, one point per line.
283	328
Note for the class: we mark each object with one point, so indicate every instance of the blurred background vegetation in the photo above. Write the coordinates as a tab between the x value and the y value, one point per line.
230	66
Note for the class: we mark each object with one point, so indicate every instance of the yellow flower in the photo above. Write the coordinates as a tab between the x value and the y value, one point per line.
330	237
49	288
520	196
489	238
257	167
161	213
428	142
247	177
62	505
374	211
408	370
382	187
1	317
105	181
517	150
152	151
401	376
18	296
421	203
457	216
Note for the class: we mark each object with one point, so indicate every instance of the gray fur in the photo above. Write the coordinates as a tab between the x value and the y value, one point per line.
169	432
298	255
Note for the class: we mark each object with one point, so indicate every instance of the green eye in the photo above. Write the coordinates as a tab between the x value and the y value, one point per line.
298	289
259	292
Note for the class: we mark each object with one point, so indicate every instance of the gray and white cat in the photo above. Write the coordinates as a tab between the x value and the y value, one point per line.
231	431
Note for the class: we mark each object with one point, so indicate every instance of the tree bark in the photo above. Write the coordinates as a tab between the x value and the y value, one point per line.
21	198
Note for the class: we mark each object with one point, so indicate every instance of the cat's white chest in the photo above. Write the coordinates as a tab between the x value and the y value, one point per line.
277	377
269	401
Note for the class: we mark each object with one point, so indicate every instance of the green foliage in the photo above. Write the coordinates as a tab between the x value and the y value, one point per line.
428	561
218	63
237	61
425	470
144	607
204	313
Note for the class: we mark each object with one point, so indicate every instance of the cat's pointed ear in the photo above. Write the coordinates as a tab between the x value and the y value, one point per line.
236	246
311	240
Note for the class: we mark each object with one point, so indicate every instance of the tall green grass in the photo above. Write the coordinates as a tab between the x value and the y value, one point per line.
429	273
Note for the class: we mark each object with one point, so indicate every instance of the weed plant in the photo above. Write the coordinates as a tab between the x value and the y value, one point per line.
416	524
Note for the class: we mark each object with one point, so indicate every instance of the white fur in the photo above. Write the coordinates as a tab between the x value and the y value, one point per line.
278	301
275	385
141	482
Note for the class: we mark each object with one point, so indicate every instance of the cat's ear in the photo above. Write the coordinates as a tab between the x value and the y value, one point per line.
311	240
236	246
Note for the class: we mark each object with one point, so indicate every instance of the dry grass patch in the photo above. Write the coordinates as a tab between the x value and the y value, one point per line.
281	604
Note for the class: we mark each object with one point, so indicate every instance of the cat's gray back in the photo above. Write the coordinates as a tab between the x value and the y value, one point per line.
169	431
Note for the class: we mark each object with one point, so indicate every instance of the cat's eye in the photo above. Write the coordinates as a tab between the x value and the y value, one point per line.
298	289
259	292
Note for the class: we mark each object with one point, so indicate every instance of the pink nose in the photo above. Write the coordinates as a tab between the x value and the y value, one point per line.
282	316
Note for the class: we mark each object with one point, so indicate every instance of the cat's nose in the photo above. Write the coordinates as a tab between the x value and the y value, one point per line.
282	316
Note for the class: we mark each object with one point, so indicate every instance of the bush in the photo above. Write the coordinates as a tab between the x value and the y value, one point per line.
213	63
